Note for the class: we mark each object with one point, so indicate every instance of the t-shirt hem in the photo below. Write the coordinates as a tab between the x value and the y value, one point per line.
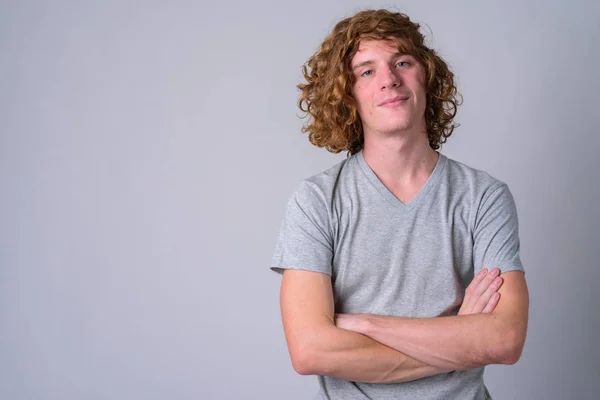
279	269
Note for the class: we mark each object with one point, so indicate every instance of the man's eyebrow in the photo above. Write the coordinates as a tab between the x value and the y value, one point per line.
367	62
362	64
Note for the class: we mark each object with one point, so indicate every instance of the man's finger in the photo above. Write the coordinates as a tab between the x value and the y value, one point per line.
492	303
479	277
486	281
472	288
492	288
479	292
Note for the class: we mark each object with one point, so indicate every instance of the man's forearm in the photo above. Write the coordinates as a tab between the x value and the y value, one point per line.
455	342
351	356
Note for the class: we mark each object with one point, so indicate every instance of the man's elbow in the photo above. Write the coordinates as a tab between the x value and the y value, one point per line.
511	346
304	360
313	356
310	350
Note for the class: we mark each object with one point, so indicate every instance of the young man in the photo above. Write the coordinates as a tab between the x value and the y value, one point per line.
390	259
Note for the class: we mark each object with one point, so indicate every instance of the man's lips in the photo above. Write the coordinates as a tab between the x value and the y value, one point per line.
393	101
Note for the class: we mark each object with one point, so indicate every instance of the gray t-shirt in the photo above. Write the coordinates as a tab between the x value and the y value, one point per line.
390	258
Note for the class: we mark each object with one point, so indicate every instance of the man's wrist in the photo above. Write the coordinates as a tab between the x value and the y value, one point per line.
359	323
370	324
363	323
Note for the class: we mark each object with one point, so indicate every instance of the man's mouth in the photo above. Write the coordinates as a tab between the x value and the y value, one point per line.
393	101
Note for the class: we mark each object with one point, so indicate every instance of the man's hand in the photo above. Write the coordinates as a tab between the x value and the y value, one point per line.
481	296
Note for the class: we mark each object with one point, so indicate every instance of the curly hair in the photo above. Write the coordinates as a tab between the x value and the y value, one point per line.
327	98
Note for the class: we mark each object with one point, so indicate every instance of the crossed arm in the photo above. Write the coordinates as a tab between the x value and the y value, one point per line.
379	349
456	342
318	347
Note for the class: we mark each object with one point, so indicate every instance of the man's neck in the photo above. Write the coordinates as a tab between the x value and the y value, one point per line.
400	161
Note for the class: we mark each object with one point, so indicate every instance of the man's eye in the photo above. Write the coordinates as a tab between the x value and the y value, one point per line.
366	73
403	62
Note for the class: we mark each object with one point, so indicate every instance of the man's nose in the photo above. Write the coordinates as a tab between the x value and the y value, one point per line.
388	78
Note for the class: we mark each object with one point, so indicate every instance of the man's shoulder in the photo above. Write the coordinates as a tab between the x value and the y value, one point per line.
466	176
324	183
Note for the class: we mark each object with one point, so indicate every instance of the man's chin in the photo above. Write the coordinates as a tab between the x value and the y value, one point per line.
397	128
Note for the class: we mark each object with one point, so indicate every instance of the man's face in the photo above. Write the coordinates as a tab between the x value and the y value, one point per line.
389	89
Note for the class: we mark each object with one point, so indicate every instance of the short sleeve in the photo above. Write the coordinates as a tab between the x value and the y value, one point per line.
305	240
496	233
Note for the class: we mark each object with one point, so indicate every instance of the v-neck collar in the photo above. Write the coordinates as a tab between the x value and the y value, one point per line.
389	196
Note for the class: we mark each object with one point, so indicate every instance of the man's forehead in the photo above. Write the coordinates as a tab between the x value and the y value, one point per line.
387	45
